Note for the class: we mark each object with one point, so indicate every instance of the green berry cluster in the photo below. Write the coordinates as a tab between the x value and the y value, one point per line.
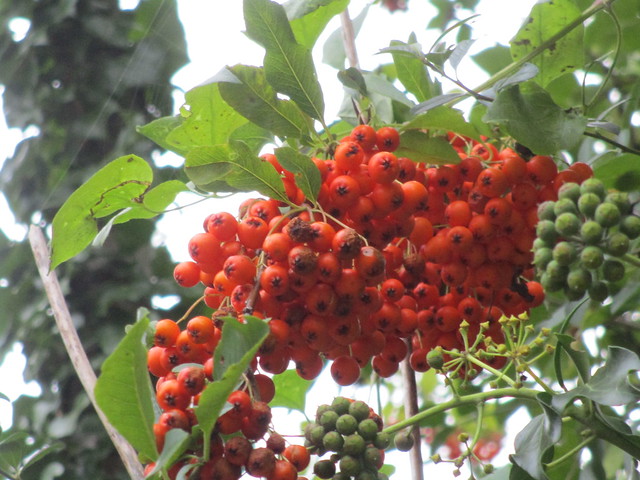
352	433
581	239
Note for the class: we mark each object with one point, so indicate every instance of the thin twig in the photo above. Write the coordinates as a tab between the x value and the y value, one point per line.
411	409
74	347
349	39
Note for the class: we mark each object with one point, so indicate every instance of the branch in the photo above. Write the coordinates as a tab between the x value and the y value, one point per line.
349	39
411	409
74	347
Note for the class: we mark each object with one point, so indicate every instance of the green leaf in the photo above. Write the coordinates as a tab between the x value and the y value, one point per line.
238	345
493	59
237	166
443	118
307	175
291	390
333	53
546	19
116	186
252	135
208	120
532	444
288	65
353	78
379	84
580	358
413	74
246	89
124	393
534	120
309	19
176	442
420	147
621	172
158	131
12	451
154	201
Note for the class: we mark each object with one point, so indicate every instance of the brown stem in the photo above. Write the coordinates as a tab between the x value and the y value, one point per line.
74	347
349	39
411	409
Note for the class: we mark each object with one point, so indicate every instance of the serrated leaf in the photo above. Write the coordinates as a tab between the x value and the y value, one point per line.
291	391
621	172
238	345
309	19
124	393
307	175
534	120
546	19
420	147
288	65
251	95
116	186
209	120
158	131
413	74
443	118
435	102
333	53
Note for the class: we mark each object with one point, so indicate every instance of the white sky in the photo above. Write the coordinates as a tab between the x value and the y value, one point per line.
215	39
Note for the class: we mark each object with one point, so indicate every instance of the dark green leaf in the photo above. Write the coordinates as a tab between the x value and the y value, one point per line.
352	78
333	53
531	444
124	391
238	345
413	74
309	19
534	120
420	147
621	172
13	447
116	186
306	173
546	19
580	358
237	166
158	131
443	118
291	391
252	96
288	65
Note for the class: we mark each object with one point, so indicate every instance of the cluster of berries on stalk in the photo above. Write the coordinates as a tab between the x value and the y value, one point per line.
582	238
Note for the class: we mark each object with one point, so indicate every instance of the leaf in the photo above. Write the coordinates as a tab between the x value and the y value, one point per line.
580	358
435	102
238	345
309	19
333	53
209	120
154	201
534	120
621	172
443	118
124	393
610	384
526	72
287	64
420	147
237	166
12	451
353	78
531	444
176	442
413	74
116	186
252	135
158	131
291	390
459	52
379	84
250	94
493	59
307	175
564	55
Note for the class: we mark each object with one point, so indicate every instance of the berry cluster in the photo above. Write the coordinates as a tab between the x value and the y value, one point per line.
581	238
353	432
392	257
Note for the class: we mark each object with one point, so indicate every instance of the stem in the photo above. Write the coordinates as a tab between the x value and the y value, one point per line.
191	308
571	452
605	432
538	380
622	147
630	259
349	39
74	348
489	368
411	409
524	393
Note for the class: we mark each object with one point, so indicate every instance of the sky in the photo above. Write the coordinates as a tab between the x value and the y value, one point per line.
214	44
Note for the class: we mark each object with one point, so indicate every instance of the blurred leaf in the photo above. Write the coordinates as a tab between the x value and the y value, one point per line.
413	74
307	175
459	52
534	120
547	19
619	171
238	345
379	84
353	78
580	358
176	442
333	53
309	19
12	451
291	391
420	147
288	65
158	131
443	118
124	391
493	59
435	102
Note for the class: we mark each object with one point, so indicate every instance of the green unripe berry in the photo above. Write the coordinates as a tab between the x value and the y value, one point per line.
546	230
382	440
542	257
573	295
598	291
360	410
569	191
346	424
372	457
435	359
578	280
354	445
403	441
587	204
333	441
368	429
328	420
593	185
545	210
565	205
591	257
564	253
591	232
567	224
314	434
341	476
613	270
556	271
320	410
341	405
350	465
367	475
324	469
617	244
620	200
607	214
630	226
550	284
